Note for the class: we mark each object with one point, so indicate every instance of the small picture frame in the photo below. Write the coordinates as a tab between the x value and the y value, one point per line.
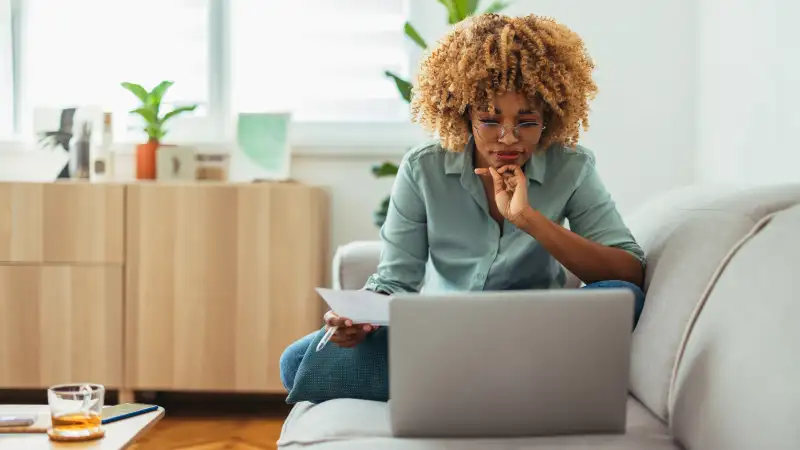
176	163
262	149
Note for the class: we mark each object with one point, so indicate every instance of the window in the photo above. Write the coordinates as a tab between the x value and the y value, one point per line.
322	60
77	52
6	70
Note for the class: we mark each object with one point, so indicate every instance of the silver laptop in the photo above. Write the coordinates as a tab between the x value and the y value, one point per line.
524	363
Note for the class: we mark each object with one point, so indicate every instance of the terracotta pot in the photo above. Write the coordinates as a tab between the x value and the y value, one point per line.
146	160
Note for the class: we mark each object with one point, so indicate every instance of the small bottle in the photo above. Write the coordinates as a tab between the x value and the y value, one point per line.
103	158
82	151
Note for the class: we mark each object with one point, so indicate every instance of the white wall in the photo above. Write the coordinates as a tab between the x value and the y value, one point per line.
748	73
354	192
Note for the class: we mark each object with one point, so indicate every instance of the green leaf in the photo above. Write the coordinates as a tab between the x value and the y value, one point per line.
177	111
403	86
157	94
412	33
496	6
137	90
379	215
386	169
452	11
466	8
155	131
147	113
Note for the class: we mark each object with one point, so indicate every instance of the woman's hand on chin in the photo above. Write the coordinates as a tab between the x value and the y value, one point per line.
510	191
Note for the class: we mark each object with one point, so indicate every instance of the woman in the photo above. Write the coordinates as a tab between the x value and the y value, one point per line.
486	203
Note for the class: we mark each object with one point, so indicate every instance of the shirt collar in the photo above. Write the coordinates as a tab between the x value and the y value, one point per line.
536	166
457	162
454	162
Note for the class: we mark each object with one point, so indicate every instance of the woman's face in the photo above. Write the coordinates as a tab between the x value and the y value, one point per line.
510	134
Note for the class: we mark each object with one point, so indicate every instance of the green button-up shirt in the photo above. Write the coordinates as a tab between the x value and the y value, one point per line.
439	220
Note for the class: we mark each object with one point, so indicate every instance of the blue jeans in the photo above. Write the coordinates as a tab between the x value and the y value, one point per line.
293	355
291	359
638	294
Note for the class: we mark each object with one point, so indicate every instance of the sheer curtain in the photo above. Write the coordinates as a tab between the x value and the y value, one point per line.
76	52
322	60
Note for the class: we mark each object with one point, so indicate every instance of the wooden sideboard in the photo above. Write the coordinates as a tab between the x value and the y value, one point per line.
152	286
61	290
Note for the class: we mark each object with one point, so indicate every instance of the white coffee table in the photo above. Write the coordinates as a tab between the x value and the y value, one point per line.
119	435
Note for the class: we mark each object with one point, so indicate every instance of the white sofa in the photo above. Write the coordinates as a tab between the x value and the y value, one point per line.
715	362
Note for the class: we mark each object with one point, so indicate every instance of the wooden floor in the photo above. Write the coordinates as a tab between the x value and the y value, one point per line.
204	421
218	433
212	422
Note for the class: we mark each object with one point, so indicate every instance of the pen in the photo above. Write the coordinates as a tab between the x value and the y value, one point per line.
326	338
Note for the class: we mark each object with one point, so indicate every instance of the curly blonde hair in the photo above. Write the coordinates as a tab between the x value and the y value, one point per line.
491	54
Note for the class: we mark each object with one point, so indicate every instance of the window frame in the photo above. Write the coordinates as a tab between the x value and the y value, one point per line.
338	138
8	105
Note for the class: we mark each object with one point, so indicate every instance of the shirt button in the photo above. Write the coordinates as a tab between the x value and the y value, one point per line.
480	276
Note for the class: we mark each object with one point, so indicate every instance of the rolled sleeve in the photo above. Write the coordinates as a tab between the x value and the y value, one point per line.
404	236
593	215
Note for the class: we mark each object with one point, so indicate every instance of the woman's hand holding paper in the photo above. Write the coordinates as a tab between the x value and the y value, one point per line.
347	333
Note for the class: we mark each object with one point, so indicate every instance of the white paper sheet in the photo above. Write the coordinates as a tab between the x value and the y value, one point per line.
358	306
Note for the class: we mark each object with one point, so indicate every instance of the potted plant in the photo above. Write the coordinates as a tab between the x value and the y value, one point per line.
457	10
150	110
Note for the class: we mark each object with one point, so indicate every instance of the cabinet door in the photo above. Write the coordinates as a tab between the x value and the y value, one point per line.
60	324
21	222
83	223
61	223
220	279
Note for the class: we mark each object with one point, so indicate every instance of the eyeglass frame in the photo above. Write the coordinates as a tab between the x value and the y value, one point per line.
503	129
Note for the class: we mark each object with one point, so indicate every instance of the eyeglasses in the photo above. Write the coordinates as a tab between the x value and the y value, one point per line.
491	131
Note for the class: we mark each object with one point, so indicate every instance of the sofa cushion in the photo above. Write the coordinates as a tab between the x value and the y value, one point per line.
360	424
737	385
686	235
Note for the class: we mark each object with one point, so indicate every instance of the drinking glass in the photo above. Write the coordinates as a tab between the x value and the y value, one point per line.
75	410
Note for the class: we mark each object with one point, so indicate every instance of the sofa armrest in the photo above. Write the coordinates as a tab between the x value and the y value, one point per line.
353	263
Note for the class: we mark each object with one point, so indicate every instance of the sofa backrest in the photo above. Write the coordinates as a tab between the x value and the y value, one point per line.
354	262
737	385
686	235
